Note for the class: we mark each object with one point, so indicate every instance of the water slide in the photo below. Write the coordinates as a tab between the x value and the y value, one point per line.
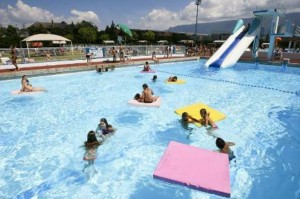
233	48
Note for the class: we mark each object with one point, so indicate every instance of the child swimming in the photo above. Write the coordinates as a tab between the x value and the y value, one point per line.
224	147
91	146
205	119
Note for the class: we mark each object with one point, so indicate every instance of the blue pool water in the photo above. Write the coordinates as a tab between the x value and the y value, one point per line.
41	134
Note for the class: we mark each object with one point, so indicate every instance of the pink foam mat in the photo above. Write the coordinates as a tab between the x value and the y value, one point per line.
196	168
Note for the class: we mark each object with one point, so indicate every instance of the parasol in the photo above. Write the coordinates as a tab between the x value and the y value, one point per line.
125	29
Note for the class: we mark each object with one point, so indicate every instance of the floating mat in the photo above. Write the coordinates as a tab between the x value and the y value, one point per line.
18	92
179	81
194	111
155	104
196	168
150	71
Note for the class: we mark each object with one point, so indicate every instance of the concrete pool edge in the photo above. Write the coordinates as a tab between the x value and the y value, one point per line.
77	67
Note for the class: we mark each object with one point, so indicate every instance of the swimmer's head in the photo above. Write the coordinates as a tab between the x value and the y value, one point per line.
220	143
175	77
91	137
103	120
147	63
137	96
185	116
145	86
203	112
154	77
110	128
24	77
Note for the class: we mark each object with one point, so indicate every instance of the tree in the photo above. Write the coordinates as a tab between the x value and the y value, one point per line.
149	36
88	34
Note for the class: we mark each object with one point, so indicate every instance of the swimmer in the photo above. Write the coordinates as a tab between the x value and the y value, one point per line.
138	98
101	126
27	87
224	147
91	146
154	78
147	95
205	119
108	130
172	79
186	119
147	67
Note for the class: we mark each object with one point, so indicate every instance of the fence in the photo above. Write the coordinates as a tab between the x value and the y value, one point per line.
44	54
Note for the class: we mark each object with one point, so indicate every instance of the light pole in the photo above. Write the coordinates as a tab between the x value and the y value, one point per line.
197	3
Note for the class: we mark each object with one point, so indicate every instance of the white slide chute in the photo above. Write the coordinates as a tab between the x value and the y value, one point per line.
234	47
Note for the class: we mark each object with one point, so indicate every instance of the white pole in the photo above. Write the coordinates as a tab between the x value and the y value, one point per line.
27	49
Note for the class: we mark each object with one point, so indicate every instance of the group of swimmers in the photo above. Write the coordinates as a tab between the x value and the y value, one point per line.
104	68
94	140
206	121
147	95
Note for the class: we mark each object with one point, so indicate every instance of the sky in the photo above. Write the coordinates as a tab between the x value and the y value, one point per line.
137	14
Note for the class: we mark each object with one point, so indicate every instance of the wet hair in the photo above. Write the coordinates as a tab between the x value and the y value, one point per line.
147	62
91	140
105	121
23	76
220	143
175	77
154	77
145	86
184	116
203	112
137	96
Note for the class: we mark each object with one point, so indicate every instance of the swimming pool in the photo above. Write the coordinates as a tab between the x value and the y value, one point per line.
41	134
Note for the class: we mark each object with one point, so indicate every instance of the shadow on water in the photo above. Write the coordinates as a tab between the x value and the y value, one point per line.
67	177
283	176
138	76
175	133
129	117
21	99
150	188
162	90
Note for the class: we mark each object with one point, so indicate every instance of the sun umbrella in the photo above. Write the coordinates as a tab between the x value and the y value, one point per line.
125	28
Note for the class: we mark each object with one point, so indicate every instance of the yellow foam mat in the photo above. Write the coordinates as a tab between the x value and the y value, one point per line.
194	111
179	81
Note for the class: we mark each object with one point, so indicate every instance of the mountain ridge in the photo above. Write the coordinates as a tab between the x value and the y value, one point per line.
227	26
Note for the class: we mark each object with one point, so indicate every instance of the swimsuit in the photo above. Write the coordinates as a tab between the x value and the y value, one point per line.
230	154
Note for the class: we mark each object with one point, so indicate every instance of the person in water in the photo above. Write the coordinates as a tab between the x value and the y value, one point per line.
27	87
101	126
186	119
138	98
147	95
172	79
147	67
154	78
91	146
206	120
224	147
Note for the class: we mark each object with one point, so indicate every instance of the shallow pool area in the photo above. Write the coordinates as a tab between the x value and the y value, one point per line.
41	134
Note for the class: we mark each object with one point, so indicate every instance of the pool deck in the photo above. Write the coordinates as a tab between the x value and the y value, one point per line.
54	67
